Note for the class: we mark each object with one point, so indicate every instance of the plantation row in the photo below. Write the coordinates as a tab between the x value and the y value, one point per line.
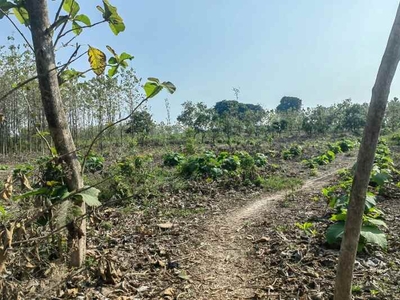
338	197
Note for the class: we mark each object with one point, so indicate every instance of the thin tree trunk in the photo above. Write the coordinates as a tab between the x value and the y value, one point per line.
53	107
376	112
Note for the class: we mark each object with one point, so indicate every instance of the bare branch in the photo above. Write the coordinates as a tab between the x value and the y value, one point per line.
82	27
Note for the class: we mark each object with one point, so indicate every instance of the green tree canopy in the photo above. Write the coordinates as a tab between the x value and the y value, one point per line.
289	103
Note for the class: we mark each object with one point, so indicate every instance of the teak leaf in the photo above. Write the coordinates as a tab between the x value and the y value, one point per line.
71	7
90	196
97	60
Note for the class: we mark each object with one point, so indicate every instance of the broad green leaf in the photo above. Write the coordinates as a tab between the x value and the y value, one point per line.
90	196
169	86
374	235
22	15
152	89
380	178
376	222
76	28
2	210
71	7
116	25
97	60
112	61
340	217
60	192
112	71
125	56
70	74
370	201
111	15
83	19
335	233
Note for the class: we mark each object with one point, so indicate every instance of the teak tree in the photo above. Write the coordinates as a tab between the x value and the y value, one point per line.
380	94
34	14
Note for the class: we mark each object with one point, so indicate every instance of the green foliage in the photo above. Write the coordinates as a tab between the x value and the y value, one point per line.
294	151
71	7
111	15
131	177
94	163
190	146
172	159
289	103
339	199
90	196
260	160
335	148
154	86
307	227
346	145
230	162
368	235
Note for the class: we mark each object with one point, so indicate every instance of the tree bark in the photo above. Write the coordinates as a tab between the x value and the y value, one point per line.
380	94
54	111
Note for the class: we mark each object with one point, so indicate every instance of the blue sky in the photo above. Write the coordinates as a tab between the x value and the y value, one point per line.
320	51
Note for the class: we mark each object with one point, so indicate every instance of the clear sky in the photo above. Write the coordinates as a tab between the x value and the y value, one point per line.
318	50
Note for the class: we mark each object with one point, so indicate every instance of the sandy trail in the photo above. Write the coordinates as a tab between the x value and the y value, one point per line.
223	269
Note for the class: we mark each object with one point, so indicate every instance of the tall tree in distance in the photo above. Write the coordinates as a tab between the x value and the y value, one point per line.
289	103
376	112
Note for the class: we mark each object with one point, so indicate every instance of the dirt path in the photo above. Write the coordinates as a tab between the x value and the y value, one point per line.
222	269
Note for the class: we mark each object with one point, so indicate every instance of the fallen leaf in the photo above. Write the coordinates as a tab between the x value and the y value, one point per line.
168	292
165	225
264	239
183	275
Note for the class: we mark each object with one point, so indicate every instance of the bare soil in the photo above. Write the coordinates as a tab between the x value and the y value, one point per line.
239	246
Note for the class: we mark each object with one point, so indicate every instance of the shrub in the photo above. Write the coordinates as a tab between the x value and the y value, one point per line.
294	151
260	160
335	148
94	163
172	159
346	145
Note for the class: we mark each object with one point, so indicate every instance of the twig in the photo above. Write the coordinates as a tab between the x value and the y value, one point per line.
58	11
16	27
69	61
63	27
81	27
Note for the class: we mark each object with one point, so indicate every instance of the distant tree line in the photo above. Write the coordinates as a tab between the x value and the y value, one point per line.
95	102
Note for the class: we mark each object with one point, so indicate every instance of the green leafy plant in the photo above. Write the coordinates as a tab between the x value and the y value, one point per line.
173	159
307	227
94	163
294	151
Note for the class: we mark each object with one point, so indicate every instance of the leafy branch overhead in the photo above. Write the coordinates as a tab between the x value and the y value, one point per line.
97	58
72	8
